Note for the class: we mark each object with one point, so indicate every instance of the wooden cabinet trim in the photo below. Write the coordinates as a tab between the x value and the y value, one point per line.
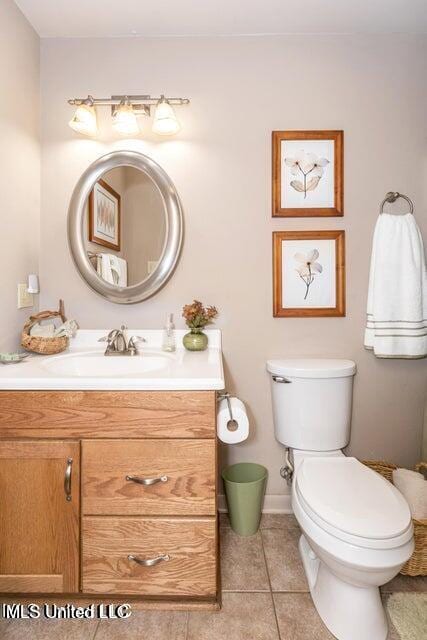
107	414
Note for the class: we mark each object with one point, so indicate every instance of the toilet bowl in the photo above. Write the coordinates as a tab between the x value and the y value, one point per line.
357	534
356	527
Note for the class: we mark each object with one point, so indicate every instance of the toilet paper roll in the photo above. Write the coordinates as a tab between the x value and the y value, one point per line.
223	417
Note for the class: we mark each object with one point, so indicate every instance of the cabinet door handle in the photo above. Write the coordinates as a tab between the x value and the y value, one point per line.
149	562
67	479
147	481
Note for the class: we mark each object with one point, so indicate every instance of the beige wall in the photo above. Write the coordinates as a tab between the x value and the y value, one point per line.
143	224
241	89
19	165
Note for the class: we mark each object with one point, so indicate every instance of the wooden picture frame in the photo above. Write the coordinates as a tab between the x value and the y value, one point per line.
322	278
105	216
320	191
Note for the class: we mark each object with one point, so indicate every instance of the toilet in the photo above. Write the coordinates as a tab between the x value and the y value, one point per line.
356	527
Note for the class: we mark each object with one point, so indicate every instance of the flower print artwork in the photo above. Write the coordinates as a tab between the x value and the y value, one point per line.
308	168
308	174
308	268
308	273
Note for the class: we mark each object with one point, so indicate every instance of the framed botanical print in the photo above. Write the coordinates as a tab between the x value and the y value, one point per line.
308	173
104	216
308	273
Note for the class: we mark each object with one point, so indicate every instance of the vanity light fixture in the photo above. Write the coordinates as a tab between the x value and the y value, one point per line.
84	119
124	119
124	111
165	121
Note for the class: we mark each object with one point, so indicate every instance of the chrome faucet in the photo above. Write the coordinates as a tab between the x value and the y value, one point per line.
117	345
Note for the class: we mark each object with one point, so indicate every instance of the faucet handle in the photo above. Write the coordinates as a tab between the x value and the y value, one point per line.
133	340
109	337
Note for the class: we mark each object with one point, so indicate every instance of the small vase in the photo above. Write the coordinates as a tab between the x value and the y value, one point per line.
195	340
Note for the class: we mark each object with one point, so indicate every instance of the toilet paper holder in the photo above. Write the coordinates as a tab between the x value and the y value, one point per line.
232	424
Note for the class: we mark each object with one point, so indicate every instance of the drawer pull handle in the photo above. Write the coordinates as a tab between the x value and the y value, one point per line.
149	562
67	479
147	481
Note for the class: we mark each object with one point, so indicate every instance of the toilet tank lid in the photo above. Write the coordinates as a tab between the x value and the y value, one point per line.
312	368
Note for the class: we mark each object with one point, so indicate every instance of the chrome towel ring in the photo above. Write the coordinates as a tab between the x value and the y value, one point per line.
392	196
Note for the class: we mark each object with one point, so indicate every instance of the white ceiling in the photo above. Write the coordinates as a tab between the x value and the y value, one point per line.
106	18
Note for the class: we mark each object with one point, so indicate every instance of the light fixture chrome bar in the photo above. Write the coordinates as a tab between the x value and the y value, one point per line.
134	100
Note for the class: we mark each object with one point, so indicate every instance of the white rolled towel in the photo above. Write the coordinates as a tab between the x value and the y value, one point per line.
413	487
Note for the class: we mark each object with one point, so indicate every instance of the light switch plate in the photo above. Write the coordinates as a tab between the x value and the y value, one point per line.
25	299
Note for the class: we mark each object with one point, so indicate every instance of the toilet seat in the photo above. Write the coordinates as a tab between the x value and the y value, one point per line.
353	503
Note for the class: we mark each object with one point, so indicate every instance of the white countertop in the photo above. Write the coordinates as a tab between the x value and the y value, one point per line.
83	366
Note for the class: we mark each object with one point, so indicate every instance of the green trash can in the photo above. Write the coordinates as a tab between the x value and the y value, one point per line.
244	485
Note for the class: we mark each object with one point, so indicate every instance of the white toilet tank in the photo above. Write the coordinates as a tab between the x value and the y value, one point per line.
312	402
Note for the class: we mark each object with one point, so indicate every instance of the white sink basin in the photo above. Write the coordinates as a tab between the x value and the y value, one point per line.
96	365
84	366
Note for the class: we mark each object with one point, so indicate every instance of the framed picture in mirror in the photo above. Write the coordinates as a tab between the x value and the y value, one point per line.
308	173
308	273
104	216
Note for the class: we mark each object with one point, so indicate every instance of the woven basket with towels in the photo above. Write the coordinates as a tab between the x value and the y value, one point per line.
40	344
417	563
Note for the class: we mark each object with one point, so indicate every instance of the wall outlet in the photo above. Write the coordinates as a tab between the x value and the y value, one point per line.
25	299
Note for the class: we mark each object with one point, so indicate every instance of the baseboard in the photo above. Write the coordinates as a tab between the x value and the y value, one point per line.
272	504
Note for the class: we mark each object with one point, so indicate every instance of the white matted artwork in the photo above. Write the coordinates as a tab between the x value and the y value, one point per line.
309	273
307	173
104	216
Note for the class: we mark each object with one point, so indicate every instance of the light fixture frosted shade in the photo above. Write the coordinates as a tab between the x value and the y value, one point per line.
84	120
124	120
165	121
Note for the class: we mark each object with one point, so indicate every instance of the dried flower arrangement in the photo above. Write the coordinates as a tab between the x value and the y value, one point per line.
197	316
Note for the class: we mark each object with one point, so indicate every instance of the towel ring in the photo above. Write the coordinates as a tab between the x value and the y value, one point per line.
392	196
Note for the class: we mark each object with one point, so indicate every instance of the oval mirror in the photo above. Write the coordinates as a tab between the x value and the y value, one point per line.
125	226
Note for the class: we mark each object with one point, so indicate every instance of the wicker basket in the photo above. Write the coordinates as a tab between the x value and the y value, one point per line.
417	563
38	344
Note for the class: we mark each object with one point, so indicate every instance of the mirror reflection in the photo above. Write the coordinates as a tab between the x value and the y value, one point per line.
125	226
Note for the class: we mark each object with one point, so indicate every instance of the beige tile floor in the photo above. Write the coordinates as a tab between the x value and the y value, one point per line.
265	597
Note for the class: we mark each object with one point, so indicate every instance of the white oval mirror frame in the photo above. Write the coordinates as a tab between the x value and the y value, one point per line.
174	227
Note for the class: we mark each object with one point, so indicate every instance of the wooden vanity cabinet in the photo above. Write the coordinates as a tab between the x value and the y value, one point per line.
109	495
39	516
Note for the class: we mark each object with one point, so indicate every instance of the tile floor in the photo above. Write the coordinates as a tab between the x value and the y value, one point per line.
265	597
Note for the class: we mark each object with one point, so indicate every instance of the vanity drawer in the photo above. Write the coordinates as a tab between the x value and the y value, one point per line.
171	477
189	546
107	414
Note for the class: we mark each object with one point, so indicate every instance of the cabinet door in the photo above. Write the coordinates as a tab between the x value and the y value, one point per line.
39	517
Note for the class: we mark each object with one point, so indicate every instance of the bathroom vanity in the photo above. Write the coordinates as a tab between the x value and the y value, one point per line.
108	476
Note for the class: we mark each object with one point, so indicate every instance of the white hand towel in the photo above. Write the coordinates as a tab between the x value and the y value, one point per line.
413	487
397	298
112	269
119	267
